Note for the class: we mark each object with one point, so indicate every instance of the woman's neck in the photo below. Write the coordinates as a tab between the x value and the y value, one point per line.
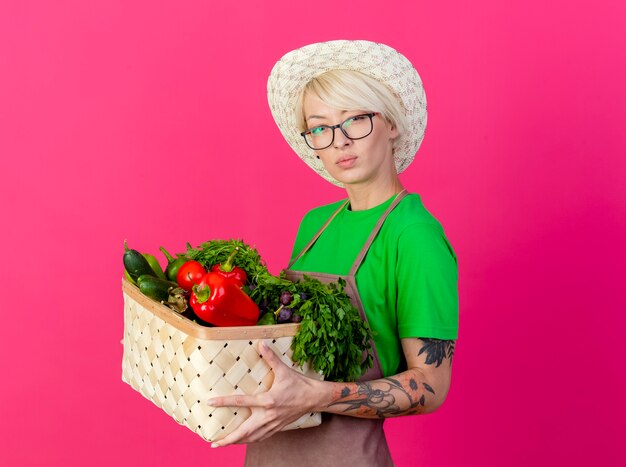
367	196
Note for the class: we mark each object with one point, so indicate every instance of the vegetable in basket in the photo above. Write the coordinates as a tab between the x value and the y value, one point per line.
190	274
154	264
137	264
332	336
173	264
163	291
229	270
216	252
220	301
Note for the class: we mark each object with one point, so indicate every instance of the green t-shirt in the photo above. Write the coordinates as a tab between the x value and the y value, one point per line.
408	279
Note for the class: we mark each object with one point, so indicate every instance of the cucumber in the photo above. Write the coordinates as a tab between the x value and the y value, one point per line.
155	288
135	263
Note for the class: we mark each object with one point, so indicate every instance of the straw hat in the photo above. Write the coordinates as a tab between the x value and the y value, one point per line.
294	70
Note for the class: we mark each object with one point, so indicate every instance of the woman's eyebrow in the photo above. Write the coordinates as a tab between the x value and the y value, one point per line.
343	112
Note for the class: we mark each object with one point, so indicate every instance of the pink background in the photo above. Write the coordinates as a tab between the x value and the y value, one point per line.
148	121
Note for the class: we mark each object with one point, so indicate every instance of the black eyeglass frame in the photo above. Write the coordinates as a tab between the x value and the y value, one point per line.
370	115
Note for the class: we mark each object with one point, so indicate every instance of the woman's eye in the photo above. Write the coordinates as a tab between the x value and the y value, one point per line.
352	120
317	130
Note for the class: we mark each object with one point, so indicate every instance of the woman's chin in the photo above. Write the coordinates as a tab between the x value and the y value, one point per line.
348	177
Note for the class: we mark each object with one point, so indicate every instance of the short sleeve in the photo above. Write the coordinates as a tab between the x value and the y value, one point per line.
427	276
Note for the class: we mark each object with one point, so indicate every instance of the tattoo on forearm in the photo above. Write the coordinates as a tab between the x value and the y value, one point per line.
437	351
402	395
388	398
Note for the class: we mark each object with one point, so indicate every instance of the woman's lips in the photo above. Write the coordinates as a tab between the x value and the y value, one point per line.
346	162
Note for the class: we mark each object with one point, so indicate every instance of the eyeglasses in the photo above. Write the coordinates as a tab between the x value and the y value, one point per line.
322	136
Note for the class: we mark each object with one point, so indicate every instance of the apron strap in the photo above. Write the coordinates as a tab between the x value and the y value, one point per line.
310	244
379	224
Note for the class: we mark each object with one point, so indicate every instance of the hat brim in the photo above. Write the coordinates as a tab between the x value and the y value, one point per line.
296	68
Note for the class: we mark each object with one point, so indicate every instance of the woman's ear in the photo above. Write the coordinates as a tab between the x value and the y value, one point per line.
391	128
393	131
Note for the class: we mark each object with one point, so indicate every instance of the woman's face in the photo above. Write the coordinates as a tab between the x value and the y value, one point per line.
349	161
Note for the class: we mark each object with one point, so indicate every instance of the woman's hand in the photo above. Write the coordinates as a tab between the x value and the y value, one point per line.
291	396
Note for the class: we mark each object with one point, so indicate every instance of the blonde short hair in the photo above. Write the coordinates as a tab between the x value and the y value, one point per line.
353	90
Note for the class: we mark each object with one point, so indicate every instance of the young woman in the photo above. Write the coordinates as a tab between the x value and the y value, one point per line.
355	111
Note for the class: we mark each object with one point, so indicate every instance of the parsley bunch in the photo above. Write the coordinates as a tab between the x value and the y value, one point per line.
332	336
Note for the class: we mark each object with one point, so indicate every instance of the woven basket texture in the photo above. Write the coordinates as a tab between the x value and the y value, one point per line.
179	371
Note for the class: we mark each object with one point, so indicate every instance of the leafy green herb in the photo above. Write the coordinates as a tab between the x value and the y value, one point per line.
332	336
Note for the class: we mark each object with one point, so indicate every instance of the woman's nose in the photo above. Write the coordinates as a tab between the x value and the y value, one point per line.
341	140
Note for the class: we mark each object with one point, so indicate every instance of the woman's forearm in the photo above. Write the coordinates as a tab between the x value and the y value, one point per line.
403	394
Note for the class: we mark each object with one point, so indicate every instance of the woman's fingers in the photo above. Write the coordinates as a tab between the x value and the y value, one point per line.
242	400
269	411
252	430
271	358
238	400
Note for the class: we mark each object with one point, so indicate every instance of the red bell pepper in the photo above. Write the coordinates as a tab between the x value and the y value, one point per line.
228	269
190	274
220	301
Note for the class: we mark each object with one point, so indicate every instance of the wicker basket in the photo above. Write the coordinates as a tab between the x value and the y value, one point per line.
179	365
